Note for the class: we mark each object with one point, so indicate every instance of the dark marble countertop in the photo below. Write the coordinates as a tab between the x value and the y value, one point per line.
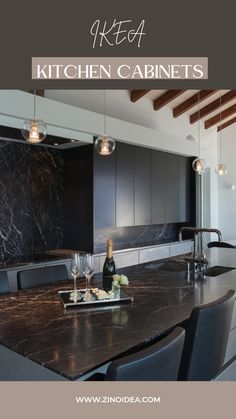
34	324
18	261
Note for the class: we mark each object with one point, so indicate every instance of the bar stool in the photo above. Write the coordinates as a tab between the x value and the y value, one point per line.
220	244
4	285
158	362
207	333
31	278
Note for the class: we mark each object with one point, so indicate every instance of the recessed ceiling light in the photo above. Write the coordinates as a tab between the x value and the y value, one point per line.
56	144
72	141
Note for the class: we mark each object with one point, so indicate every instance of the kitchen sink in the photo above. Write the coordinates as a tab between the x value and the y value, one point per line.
217	270
168	266
179	267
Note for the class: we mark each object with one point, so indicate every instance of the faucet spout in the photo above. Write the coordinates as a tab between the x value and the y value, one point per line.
197	258
197	230
212	230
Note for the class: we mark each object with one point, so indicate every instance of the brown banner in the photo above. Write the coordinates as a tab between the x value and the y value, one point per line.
143	399
123	68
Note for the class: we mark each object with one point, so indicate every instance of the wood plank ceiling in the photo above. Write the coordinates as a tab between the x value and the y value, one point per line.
214	107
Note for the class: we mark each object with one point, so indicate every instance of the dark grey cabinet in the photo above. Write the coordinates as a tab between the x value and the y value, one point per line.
172	188
133	186
78	199
184	189
138	186
142	186
124	185
104	190
158	187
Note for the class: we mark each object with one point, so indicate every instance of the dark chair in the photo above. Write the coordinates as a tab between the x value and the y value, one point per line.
41	276
207	332
4	285
221	244
158	362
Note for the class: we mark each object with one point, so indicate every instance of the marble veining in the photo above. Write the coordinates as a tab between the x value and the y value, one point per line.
20	261
31	199
72	343
138	236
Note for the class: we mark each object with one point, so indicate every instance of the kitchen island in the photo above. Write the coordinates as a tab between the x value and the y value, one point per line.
39	340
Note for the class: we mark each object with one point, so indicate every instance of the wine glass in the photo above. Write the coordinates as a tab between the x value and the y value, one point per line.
88	270
75	270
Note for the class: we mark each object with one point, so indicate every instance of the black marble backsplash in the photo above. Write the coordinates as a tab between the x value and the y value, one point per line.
31	199
32	208
131	237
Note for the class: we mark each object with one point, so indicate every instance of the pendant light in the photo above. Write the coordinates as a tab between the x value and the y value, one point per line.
34	130
104	144
221	168
199	164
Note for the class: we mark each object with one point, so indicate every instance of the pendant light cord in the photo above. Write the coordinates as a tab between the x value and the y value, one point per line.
220	139
104	111
199	148
34	104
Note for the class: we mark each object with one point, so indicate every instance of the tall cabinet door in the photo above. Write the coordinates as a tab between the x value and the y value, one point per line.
124	185
172	188
142	186
158	173
78	198
104	190
184	189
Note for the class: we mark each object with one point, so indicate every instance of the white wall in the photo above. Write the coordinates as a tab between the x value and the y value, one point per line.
227	196
222	199
210	180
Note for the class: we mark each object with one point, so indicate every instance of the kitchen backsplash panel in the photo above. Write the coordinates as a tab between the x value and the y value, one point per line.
31	194
131	237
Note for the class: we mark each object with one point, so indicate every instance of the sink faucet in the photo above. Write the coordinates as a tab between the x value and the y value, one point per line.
198	262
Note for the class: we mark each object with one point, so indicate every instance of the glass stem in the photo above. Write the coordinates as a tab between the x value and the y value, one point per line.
75	287
87	283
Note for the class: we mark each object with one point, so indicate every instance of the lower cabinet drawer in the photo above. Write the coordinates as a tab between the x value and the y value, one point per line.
155	253
122	259
181	248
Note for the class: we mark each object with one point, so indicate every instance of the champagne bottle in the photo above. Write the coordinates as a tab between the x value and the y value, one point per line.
109	267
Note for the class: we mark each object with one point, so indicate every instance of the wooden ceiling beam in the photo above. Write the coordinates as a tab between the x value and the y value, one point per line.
226	124
213	106
137	94
220	116
166	98
192	101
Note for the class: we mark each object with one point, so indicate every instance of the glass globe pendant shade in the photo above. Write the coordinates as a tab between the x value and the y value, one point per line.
199	166
221	169
34	131
105	145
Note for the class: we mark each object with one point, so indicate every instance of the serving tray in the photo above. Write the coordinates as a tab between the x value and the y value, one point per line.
67	301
